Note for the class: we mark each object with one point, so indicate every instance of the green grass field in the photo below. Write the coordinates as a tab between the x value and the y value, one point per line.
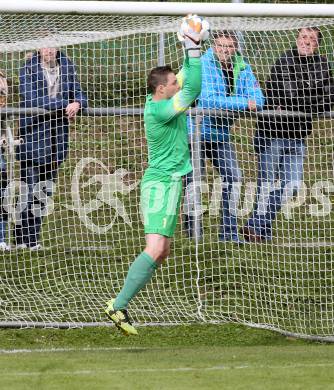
180	357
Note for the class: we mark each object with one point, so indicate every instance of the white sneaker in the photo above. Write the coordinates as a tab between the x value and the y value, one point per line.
4	247
37	247
21	246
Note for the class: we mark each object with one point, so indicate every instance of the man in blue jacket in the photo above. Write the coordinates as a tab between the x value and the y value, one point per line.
228	83
47	80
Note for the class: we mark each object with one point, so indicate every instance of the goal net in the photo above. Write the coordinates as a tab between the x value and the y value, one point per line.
85	195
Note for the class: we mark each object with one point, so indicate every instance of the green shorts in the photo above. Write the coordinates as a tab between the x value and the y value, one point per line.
160	203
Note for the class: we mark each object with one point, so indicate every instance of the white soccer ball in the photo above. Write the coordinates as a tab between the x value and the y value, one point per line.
194	24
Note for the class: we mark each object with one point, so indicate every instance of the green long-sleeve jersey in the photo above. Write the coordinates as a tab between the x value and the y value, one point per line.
166	124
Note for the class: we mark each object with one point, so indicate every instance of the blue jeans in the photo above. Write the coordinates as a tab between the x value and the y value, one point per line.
223	157
280	172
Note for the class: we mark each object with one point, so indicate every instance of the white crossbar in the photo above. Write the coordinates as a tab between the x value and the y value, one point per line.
164	8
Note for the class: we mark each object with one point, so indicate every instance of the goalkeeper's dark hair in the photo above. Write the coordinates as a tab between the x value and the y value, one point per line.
225	34
312	28
158	76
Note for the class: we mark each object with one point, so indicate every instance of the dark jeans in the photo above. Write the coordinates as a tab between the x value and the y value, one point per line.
3	186
223	158
36	182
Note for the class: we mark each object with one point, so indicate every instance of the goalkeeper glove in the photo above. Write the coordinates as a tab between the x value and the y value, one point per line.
193	31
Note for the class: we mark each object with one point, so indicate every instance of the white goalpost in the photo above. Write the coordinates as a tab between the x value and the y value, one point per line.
72	186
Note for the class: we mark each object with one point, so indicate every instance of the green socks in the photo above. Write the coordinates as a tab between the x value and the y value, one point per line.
139	274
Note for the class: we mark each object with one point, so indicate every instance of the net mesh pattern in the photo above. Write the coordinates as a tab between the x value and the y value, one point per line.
92	229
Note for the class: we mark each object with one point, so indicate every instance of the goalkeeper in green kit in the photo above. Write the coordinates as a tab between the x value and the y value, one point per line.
169	160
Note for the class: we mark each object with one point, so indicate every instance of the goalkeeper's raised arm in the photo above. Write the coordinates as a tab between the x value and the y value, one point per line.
169	160
177	93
